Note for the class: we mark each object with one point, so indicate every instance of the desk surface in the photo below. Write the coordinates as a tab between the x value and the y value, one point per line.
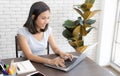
86	68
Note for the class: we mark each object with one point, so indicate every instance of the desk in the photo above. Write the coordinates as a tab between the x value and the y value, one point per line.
86	68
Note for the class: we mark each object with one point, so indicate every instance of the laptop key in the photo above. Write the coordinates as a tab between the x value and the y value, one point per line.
68	62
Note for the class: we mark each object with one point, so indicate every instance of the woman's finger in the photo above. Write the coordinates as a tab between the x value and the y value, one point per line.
70	56
61	63
56	64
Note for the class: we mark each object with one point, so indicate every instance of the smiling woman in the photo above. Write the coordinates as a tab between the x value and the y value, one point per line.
35	34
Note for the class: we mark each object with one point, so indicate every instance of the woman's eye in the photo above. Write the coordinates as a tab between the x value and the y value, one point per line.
43	18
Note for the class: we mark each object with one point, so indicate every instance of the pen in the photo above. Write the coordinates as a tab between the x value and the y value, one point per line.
7	67
14	68
2	67
4	72
10	71
18	68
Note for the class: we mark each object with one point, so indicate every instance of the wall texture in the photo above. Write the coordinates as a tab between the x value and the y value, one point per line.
13	14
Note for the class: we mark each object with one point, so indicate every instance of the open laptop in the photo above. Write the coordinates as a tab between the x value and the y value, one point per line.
76	60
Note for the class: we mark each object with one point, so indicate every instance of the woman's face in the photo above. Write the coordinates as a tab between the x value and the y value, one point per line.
42	20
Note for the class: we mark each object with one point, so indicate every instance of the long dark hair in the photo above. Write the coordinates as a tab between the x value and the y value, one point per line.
36	9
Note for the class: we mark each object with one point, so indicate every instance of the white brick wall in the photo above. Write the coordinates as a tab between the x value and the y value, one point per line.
13	14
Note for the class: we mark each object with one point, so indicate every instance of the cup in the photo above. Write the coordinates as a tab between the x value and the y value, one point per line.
9	74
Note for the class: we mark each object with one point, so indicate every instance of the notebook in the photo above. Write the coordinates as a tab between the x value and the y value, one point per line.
24	67
76	60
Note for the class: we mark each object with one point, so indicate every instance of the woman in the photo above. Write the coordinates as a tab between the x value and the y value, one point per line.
35	34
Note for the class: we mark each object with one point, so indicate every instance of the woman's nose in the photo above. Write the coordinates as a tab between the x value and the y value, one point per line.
47	20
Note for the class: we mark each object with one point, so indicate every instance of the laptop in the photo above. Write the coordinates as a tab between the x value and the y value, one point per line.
76	60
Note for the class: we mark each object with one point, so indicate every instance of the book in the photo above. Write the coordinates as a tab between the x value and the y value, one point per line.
24	67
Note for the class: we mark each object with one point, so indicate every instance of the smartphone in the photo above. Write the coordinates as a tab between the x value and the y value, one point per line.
37	73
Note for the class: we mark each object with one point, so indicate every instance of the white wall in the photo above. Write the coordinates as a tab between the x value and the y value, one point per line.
106	30
13	14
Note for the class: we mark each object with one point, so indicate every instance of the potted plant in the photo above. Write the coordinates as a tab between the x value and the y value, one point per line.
75	30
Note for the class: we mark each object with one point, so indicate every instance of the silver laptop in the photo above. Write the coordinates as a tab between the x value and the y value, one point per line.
76	60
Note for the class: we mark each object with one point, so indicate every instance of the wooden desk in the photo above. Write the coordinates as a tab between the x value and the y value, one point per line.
86	68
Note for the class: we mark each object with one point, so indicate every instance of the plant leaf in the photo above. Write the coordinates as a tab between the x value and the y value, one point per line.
86	25
89	29
76	31
90	1
69	24
92	14
80	20
73	44
86	6
81	49
83	31
67	34
90	21
87	1
80	43
80	37
86	14
78	11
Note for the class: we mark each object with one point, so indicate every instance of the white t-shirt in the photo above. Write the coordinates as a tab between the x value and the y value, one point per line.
37	47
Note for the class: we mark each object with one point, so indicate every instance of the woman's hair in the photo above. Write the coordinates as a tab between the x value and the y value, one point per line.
36	9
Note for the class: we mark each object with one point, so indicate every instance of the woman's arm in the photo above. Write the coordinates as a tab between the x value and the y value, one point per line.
54	45
57	50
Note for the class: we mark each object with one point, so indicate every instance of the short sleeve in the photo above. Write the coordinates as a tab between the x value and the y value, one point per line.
23	31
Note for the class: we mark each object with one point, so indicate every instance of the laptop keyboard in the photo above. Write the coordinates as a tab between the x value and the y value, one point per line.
68	62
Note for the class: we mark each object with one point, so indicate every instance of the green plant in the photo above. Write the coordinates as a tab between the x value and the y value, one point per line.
76	29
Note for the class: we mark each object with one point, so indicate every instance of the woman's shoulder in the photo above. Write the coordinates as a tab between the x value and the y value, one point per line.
23	30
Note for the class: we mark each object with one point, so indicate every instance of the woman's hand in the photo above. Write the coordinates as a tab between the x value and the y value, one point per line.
66	56
57	62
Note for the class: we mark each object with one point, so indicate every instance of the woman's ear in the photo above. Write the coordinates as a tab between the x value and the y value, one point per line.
33	16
